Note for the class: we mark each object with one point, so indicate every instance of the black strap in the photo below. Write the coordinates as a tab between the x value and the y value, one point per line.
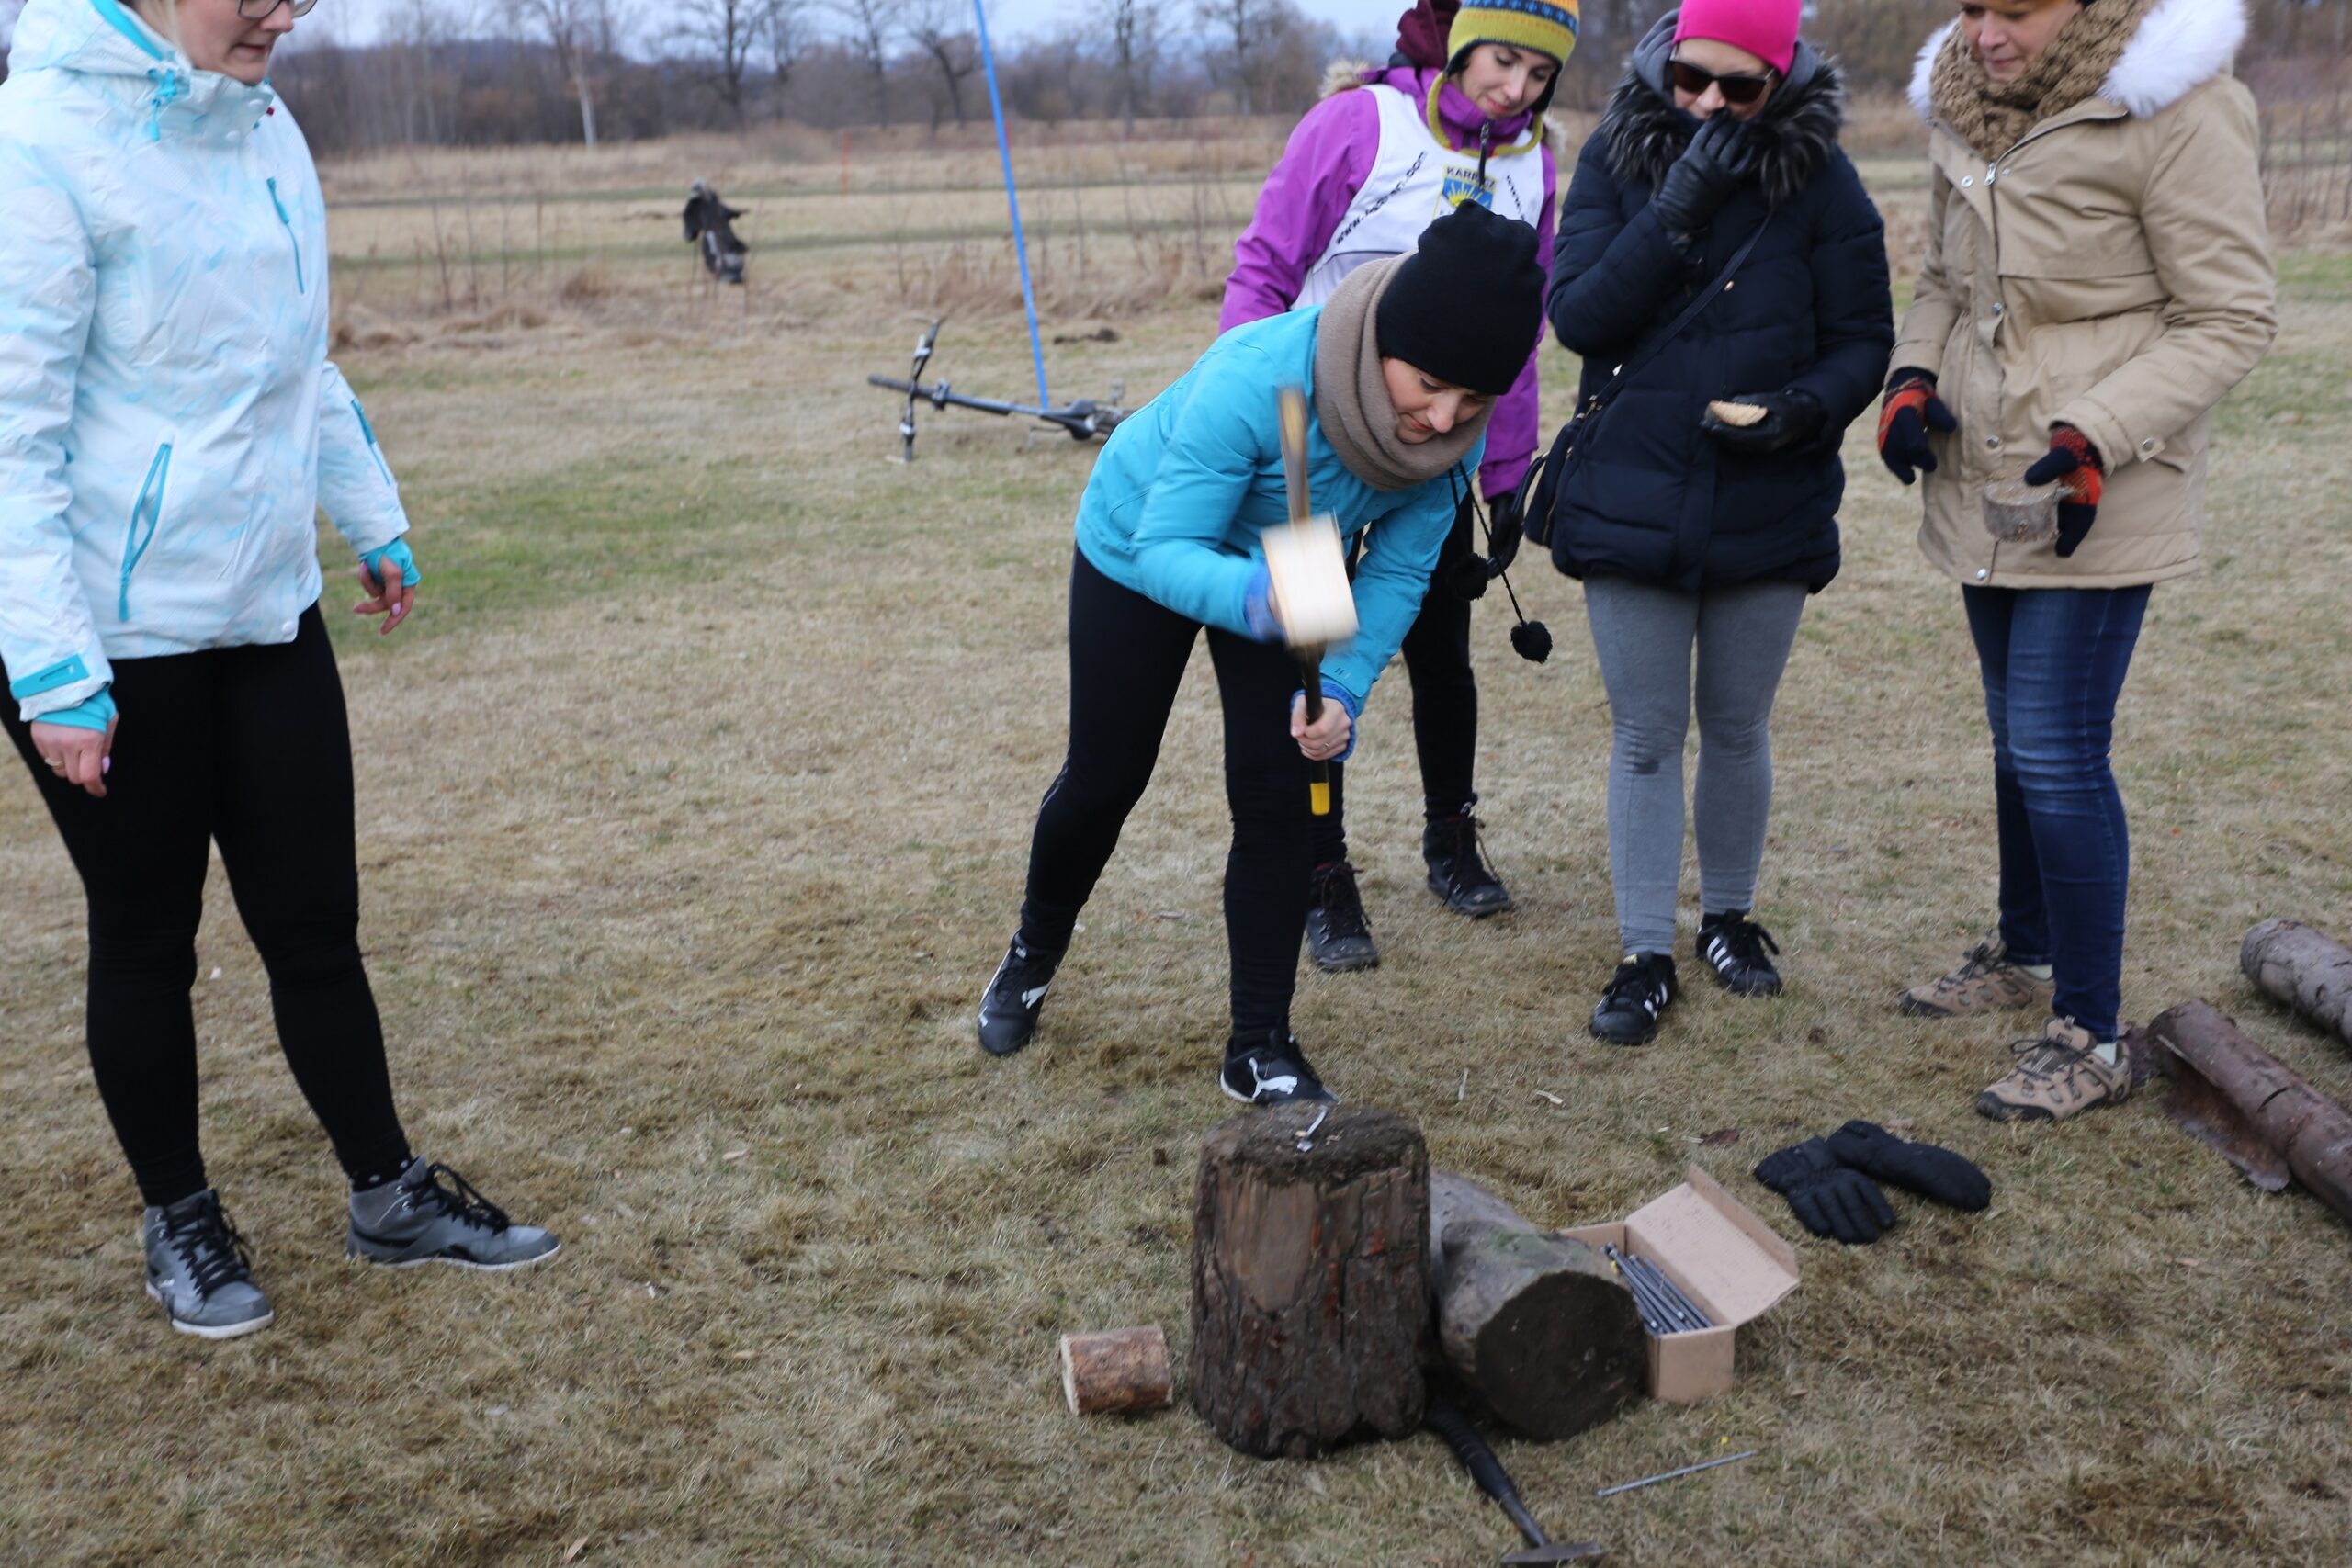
1690	313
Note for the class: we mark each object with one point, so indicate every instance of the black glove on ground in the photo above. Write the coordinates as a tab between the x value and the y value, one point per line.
1791	418
1827	1198
1924	1169
1703	179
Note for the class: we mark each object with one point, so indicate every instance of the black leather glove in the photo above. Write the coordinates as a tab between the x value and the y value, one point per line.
1827	1198
1910	410
1791	418
1703	179
1503	532
1924	1169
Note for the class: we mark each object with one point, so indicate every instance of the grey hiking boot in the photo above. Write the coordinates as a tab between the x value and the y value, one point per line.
198	1268
2058	1073
1987	981
417	1220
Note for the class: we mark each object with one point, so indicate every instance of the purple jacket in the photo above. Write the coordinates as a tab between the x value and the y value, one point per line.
1327	160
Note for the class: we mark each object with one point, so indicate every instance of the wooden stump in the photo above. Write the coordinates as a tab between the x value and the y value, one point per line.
1538	1326
1310	1287
1123	1372
2306	969
2264	1119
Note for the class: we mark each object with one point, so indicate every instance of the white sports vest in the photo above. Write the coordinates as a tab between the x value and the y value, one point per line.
1414	181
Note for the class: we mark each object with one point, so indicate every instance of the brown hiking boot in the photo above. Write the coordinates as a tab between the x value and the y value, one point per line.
2057	1075
1985	982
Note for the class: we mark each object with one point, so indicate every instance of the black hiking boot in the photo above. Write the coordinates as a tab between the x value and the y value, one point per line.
1638	994
1338	939
1015	995
1733	946
1270	1069
1458	872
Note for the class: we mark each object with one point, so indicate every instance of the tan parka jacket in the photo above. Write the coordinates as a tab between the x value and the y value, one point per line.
2112	272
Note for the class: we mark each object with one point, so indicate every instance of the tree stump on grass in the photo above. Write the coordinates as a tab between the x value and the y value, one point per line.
1539	1325
1310	1287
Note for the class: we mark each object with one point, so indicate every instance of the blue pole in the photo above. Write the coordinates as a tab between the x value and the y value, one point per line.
1012	200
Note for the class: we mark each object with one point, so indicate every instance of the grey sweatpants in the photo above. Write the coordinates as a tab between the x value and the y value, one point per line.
1644	636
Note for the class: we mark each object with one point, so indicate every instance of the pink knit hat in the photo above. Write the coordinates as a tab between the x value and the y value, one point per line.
1766	28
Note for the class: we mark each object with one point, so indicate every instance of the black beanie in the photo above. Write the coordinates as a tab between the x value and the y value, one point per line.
1466	307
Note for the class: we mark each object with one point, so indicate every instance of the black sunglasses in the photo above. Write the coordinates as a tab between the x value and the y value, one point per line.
261	10
1742	90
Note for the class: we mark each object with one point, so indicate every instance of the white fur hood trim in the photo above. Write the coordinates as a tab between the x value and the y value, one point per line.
2181	45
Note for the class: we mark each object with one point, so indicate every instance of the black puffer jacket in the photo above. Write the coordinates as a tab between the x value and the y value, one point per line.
1650	496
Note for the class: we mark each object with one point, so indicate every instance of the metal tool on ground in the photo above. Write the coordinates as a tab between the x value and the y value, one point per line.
1493	1480
1082	418
1673	1474
1665	1309
1306	1139
1309	570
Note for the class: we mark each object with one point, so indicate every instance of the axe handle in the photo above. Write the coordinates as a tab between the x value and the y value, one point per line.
1318	777
1485	1469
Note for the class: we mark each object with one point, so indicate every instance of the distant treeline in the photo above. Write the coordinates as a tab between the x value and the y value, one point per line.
569	70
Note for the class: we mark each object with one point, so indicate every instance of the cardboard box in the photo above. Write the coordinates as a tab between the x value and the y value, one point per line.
1730	1264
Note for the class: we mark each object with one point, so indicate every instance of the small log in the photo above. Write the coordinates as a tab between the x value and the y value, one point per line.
1122	1371
1310	1287
2305	968
1538	1326
2231	1091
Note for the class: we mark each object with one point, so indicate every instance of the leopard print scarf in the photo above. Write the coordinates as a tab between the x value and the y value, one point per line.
1993	116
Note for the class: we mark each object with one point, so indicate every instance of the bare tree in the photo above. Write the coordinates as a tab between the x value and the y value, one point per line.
571	29
1255	32
1135	51
790	32
932	27
867	26
723	34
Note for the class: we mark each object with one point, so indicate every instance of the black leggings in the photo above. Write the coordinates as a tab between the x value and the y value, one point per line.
1126	659
1445	705
249	747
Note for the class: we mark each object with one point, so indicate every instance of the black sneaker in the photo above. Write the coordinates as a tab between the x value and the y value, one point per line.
1458	872
1273	1072
1641	990
1338	939
1733	946
1015	995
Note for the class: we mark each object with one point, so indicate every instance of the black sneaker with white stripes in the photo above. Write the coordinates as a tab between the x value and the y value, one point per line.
1734	949
1638	994
1270	1069
1015	995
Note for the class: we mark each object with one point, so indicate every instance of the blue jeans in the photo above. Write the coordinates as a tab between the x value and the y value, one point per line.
2053	661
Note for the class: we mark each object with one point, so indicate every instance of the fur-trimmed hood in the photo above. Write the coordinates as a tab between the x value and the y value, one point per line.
1644	133
2179	47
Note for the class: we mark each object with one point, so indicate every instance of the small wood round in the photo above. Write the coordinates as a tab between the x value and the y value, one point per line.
1310	1281
1123	1372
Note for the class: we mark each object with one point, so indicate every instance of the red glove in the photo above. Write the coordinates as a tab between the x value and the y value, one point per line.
1910	410
2074	461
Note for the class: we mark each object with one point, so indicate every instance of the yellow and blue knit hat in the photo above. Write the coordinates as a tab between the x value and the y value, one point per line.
1546	27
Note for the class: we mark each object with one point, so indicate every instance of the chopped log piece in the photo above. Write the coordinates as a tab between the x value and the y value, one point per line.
2305	968
1310	1285
1538	1326
1123	1372
2236	1088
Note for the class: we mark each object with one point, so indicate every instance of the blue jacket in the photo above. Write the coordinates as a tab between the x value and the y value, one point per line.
1183	486
170	423
1650	495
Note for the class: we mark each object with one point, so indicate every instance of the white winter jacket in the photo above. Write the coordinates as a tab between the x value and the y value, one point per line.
170	423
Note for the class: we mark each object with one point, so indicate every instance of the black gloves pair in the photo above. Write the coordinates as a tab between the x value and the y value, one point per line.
1791	418
1828	1186
1703	179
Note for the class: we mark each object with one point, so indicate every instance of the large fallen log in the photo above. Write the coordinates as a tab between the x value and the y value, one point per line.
1310	1285
1539	1327
2305	968
2246	1103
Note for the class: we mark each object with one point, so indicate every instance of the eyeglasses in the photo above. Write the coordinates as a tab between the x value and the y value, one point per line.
1742	90
261	10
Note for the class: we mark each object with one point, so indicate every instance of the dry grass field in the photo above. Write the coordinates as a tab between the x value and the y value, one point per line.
693	812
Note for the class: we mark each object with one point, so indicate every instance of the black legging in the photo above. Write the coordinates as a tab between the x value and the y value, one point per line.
1126	659
250	747
1445	705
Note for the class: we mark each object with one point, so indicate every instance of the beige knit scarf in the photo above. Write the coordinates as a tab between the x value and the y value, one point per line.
1352	401
1994	116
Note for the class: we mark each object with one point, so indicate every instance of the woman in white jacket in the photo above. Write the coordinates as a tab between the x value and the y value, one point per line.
169	426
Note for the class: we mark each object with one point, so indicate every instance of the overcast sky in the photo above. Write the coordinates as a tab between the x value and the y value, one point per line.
356	21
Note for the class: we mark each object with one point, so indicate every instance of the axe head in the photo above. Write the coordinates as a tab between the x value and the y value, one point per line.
1309	568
